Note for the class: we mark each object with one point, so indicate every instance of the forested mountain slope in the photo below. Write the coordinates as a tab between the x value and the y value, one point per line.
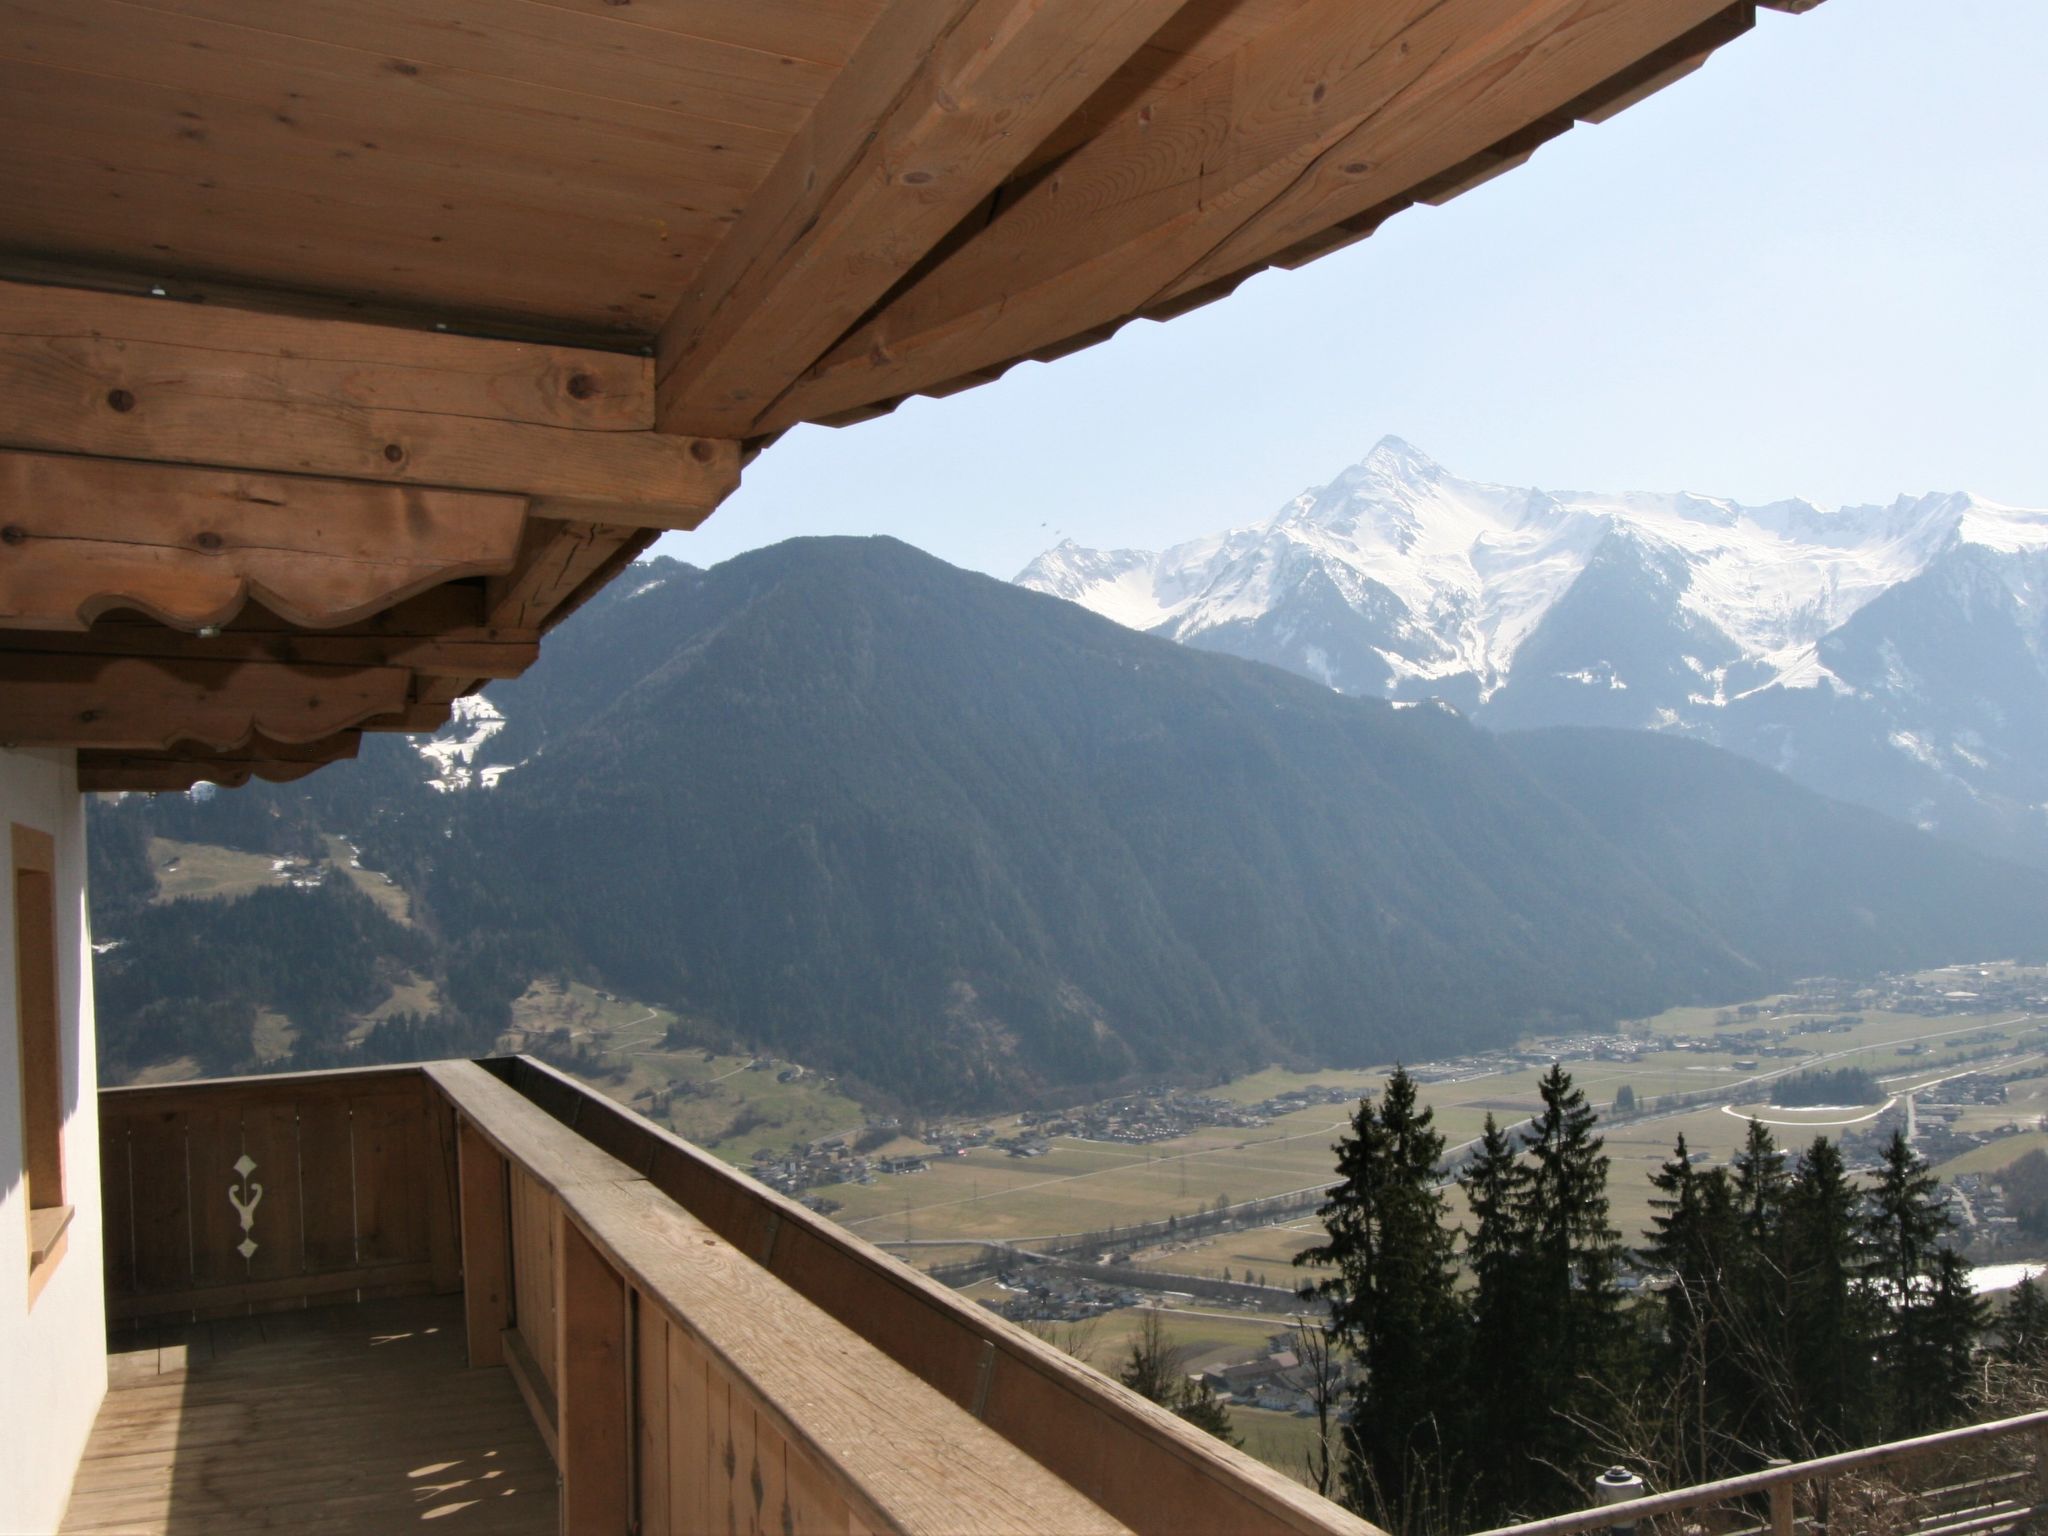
967	843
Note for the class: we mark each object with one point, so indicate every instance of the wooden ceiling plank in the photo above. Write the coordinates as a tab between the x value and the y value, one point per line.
449	259
1477	116
109	39
145	704
445	187
942	102
591	54
189	547
822	31
1152	204
138	378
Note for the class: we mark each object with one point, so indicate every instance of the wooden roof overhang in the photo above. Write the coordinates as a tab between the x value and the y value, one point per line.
346	345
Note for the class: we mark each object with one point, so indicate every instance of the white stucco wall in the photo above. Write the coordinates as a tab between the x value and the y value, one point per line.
53	1358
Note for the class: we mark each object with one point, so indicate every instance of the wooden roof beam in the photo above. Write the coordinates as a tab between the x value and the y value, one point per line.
1337	111
125	377
942	102
80	537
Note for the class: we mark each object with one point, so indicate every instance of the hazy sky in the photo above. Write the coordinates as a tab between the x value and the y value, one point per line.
1816	267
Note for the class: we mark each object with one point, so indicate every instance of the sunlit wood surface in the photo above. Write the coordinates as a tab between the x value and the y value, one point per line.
340	1419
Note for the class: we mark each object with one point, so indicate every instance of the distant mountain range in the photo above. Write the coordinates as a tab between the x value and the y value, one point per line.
1894	656
970	846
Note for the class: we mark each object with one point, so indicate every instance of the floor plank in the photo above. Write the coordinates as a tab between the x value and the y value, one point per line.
342	1419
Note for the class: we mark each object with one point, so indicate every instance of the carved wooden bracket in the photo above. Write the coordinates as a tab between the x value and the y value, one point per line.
191	546
151	705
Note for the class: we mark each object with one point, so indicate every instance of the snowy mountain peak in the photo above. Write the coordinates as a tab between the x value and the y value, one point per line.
1678	611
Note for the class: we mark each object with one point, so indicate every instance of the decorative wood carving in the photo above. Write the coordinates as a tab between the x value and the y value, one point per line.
145	704
79	537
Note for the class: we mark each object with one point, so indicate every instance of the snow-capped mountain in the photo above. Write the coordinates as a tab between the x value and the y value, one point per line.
1895	655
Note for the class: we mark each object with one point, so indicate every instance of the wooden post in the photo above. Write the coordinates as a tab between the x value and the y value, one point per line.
1783	1515
2040	1473
486	1247
591	1386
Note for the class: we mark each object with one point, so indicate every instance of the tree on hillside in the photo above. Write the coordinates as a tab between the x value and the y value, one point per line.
1392	1302
1695	1234
2023	1326
1756	1293
1831	1326
1500	1381
1930	1316
1573	1268
1156	1369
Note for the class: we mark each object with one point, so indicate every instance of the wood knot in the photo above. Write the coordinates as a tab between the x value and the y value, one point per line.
702	450
1319	93
1357	168
120	400
13	534
916	178
581	386
393	453
209	541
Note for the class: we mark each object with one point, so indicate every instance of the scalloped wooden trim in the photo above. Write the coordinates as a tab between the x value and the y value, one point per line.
153	705
191	547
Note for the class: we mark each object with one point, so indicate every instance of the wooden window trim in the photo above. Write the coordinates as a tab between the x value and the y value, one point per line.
39	1026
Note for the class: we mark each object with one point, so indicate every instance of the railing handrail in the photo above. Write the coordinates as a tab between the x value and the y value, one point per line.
1818	1469
904	1456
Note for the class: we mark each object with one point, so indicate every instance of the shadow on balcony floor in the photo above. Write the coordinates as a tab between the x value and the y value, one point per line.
342	1419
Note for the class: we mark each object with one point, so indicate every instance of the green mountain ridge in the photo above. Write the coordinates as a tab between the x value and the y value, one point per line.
969	844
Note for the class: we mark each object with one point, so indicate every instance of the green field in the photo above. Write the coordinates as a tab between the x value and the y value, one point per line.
201	870
1082	1185
719	1103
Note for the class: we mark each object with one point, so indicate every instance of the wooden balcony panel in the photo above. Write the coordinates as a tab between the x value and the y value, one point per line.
694	1352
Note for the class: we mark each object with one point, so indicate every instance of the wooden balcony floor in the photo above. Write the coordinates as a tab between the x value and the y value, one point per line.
336	1420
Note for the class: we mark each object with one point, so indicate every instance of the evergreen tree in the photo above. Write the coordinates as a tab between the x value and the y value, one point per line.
1830	1326
1930	1315
1156	1369
1573	1272
2023	1326
1392	1302
1500	1383
1693	1237
1756	1292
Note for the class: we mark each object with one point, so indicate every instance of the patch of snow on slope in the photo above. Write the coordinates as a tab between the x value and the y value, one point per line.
473	721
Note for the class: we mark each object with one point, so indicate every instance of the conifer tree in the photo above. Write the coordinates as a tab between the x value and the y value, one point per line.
1392	1302
1693	1236
1930	1315
1573	1272
2023	1326
1757	1297
1499	1384
1831	1329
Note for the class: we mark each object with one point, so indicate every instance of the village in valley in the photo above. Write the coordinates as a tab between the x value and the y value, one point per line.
1189	1203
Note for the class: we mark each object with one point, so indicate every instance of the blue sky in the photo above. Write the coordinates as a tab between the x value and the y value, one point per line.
1816	267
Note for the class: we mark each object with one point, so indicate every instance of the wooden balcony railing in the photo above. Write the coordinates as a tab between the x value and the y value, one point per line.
700	1353
1981	1478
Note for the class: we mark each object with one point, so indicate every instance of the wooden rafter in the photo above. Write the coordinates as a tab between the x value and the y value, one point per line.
944	100
139	378
1338	110
190	547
